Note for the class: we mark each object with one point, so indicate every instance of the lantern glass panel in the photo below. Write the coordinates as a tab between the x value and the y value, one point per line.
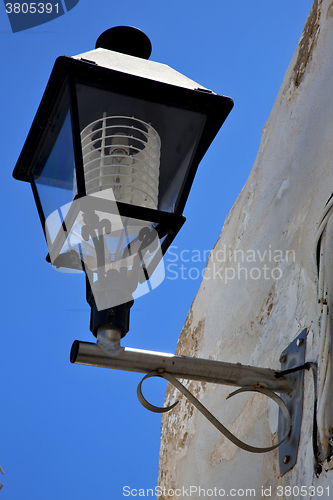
53	174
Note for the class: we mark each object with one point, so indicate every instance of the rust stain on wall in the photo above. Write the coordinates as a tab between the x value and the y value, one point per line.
329	11
265	310
307	43
190	337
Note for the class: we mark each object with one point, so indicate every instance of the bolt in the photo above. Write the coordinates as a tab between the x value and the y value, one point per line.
286	459
299	342
110	312
283	358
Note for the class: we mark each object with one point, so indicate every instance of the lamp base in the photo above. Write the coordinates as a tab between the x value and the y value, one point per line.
117	316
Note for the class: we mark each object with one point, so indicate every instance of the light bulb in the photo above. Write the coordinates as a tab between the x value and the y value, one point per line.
122	153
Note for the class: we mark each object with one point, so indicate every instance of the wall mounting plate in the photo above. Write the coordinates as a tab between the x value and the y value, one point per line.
292	357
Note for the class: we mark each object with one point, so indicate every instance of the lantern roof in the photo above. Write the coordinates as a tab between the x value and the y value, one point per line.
137	66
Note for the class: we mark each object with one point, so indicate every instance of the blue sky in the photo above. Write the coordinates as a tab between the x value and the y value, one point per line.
76	432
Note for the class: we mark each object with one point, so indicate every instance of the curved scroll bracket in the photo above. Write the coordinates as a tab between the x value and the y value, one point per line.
170	378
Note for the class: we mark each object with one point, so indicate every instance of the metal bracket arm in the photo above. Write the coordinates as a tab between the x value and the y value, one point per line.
183	367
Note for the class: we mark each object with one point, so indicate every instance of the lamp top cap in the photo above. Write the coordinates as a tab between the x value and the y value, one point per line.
126	40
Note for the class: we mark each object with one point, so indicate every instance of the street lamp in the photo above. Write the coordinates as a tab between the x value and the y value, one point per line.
111	157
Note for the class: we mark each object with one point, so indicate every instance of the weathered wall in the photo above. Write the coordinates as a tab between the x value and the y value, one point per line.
243	313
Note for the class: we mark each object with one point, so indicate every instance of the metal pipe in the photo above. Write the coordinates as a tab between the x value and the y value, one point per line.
183	367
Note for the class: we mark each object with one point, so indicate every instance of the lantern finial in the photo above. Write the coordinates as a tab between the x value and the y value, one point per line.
126	40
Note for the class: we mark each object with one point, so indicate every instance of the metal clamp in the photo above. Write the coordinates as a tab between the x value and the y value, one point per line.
291	357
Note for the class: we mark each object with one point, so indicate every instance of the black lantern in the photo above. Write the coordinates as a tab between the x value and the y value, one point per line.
111	157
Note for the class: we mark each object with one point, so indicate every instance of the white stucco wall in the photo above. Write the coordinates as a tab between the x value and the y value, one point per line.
243	319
